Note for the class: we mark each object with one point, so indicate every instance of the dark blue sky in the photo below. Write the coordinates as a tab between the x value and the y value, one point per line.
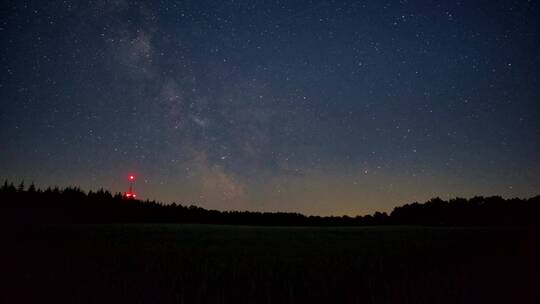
321	107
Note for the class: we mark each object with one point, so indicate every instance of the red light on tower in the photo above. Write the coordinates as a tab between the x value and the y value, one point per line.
130	194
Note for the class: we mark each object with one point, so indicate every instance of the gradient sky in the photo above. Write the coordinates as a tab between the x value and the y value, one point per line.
319	107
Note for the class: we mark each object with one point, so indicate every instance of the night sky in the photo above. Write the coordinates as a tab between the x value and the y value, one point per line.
319	107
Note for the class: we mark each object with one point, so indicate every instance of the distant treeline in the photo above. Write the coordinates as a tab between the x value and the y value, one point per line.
20	204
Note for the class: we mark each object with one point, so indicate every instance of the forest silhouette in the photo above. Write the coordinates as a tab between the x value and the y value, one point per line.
21	204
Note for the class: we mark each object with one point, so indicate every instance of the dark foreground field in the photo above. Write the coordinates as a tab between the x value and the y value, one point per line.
232	264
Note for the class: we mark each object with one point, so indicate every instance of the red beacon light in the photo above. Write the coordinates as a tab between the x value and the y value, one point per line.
129	194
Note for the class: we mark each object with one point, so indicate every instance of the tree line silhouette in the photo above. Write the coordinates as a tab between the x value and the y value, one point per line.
20	204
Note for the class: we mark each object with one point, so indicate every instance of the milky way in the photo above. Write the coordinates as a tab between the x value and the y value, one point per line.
319	107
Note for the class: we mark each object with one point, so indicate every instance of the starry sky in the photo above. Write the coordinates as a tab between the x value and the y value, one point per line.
319	107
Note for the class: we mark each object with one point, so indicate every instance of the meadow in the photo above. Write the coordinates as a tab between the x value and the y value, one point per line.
158	263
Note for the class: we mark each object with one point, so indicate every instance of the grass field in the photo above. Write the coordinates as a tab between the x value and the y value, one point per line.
235	264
